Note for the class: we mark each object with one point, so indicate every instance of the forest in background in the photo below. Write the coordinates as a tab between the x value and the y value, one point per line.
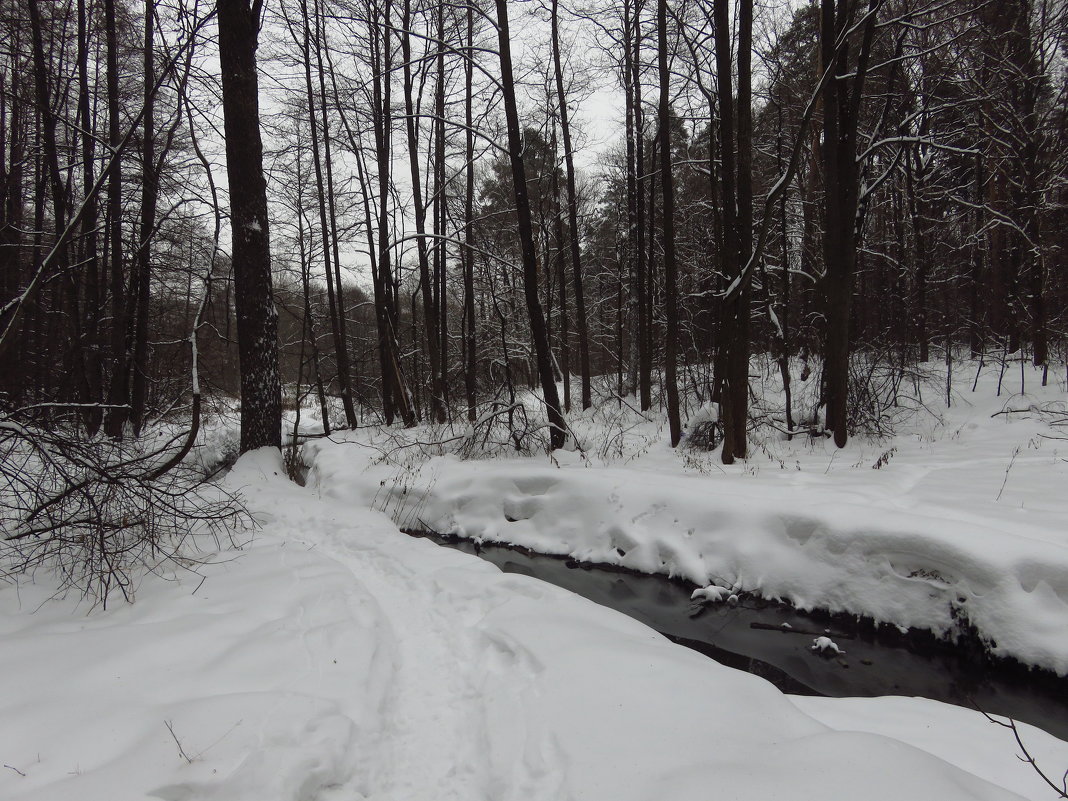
857	186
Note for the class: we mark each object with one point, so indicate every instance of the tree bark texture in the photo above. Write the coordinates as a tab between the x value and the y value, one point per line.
257	318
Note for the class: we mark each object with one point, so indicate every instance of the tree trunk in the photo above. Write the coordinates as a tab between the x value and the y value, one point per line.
914	186
257	318
440	207
118	391
149	194
468	252
93	295
735	158
557	426
324	202
395	394
309	318
572	218
430	316
671	335
643	228
344	364
841	119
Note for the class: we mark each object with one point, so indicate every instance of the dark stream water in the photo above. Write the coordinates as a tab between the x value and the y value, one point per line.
750	636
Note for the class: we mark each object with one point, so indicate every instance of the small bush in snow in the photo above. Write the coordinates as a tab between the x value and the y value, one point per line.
704	431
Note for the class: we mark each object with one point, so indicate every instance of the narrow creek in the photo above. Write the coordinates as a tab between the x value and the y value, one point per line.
774	641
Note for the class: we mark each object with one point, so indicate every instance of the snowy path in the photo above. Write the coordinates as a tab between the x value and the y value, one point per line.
439	687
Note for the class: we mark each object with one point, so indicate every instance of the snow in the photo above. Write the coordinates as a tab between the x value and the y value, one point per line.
956	522
333	658
330	657
825	645
948	732
712	594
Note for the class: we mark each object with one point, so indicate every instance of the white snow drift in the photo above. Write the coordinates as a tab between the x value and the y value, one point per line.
335	659
961	520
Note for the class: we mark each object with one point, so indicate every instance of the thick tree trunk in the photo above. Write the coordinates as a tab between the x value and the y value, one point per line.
841	119
737	202
440	208
1028	87
643	229
632	189
739	369
257	318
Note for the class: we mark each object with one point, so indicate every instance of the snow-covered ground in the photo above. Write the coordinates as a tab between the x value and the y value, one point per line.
333	658
960	518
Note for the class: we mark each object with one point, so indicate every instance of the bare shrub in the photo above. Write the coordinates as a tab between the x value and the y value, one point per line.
98	512
882	390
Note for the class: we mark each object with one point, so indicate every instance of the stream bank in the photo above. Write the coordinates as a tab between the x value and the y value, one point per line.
774	640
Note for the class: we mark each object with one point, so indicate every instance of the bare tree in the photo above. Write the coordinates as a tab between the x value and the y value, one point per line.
257	318
572	212
671	387
557	426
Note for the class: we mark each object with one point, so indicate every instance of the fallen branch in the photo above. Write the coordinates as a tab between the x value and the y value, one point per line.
1062	790
177	742
810	632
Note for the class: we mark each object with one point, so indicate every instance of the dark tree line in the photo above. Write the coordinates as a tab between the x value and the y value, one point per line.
416	235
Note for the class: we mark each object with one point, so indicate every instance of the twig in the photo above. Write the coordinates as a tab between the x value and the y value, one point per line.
177	742
1007	469
1013	411
1061	791
805	631
19	772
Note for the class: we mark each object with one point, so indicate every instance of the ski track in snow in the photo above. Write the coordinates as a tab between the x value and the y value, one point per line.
435	677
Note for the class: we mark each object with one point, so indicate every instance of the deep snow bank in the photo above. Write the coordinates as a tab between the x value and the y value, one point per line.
843	554
336	659
963	519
